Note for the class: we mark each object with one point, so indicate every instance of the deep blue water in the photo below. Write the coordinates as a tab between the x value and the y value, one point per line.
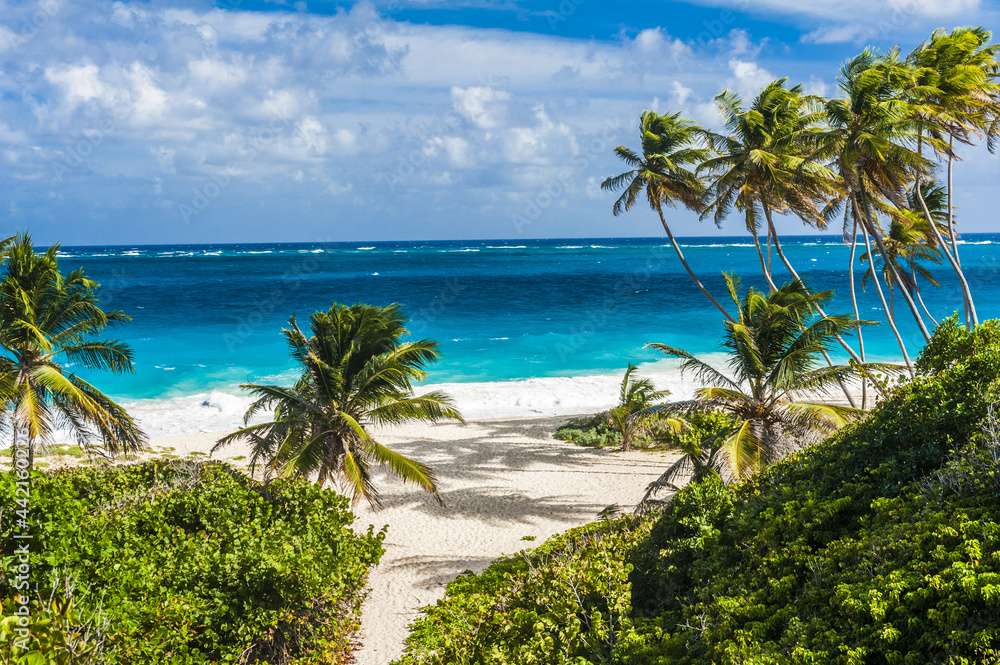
207	317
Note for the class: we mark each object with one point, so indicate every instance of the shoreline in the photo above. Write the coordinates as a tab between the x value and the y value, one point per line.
534	397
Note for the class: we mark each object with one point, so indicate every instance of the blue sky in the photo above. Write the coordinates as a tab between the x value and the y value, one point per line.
256	121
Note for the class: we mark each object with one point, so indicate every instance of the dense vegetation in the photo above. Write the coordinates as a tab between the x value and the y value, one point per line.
183	563
879	545
596	431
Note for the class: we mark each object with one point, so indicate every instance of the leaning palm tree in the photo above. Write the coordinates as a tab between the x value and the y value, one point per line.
774	349
955	90
662	174
872	141
48	322
636	405
763	164
356	372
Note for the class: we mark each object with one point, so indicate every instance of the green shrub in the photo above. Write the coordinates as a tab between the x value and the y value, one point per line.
565	602
591	431
879	545
595	432
195	563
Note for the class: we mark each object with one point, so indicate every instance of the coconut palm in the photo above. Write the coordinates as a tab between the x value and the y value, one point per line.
49	322
661	172
356	372
763	164
955	89
774	350
636	405
871	141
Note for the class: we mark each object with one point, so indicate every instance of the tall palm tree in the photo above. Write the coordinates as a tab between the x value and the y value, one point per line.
661	172
357	372
774	350
49	321
763	163
871	141
636	402
955	89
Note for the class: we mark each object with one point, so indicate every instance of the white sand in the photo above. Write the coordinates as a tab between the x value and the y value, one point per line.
500	480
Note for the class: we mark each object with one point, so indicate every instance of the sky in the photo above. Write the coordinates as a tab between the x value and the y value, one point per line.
182	121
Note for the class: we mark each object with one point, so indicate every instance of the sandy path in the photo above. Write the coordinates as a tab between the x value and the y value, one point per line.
501	480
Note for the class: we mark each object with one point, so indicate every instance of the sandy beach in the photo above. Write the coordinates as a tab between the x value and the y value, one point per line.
500	480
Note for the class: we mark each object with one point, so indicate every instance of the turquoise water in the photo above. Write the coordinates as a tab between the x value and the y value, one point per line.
208	317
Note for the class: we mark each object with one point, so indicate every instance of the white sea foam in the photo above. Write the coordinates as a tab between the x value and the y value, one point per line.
364	248
222	410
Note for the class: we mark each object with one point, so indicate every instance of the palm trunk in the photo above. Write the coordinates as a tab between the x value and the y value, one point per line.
971	317
781	253
765	267
951	209
885	306
869	222
857	314
769	248
916	290
694	278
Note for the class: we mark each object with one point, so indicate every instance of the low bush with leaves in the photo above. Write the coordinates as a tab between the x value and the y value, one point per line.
185	562
879	545
595	431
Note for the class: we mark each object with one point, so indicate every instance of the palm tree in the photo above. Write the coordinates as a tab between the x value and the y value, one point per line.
871	135
49	321
954	88
356	373
767	163
764	164
774	348
662	173
636	404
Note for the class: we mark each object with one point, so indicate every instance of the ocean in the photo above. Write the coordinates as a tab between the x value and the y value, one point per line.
526	327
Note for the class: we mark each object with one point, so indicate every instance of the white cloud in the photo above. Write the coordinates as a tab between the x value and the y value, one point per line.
79	83
294	108
483	106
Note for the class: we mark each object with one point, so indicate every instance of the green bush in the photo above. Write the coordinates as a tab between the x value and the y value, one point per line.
878	545
190	563
565	602
595	432
591	431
